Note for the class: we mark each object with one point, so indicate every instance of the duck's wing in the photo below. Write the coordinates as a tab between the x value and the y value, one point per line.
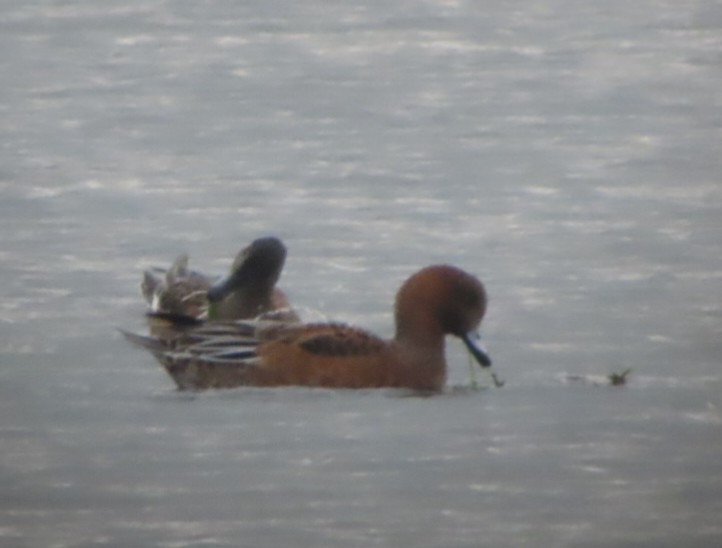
338	340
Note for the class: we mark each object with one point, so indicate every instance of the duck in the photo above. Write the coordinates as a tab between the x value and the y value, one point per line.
436	301
248	291
176	290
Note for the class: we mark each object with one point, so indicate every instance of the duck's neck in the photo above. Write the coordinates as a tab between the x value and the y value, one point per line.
419	329
247	302
424	367
421	341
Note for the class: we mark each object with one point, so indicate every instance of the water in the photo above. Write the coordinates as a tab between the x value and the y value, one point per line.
566	153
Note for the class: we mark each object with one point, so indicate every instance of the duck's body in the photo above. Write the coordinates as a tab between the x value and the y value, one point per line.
177	290
247	292
434	302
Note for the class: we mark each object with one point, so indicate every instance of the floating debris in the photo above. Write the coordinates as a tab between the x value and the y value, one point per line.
619	379
613	379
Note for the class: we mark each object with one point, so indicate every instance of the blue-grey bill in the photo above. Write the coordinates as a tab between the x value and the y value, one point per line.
471	340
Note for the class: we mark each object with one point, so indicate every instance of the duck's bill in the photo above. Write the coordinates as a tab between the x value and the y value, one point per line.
471	340
220	290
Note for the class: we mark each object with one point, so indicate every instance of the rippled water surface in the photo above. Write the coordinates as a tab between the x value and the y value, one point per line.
565	152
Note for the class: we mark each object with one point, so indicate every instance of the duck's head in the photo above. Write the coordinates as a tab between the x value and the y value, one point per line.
257	266
443	299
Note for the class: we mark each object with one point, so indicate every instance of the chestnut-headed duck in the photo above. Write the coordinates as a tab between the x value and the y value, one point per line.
436	301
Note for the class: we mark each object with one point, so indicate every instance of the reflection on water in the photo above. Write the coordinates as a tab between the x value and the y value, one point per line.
564	153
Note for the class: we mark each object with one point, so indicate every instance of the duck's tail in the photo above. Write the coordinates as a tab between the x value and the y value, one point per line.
152	344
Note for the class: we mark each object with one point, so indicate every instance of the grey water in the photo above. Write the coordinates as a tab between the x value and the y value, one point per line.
568	153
